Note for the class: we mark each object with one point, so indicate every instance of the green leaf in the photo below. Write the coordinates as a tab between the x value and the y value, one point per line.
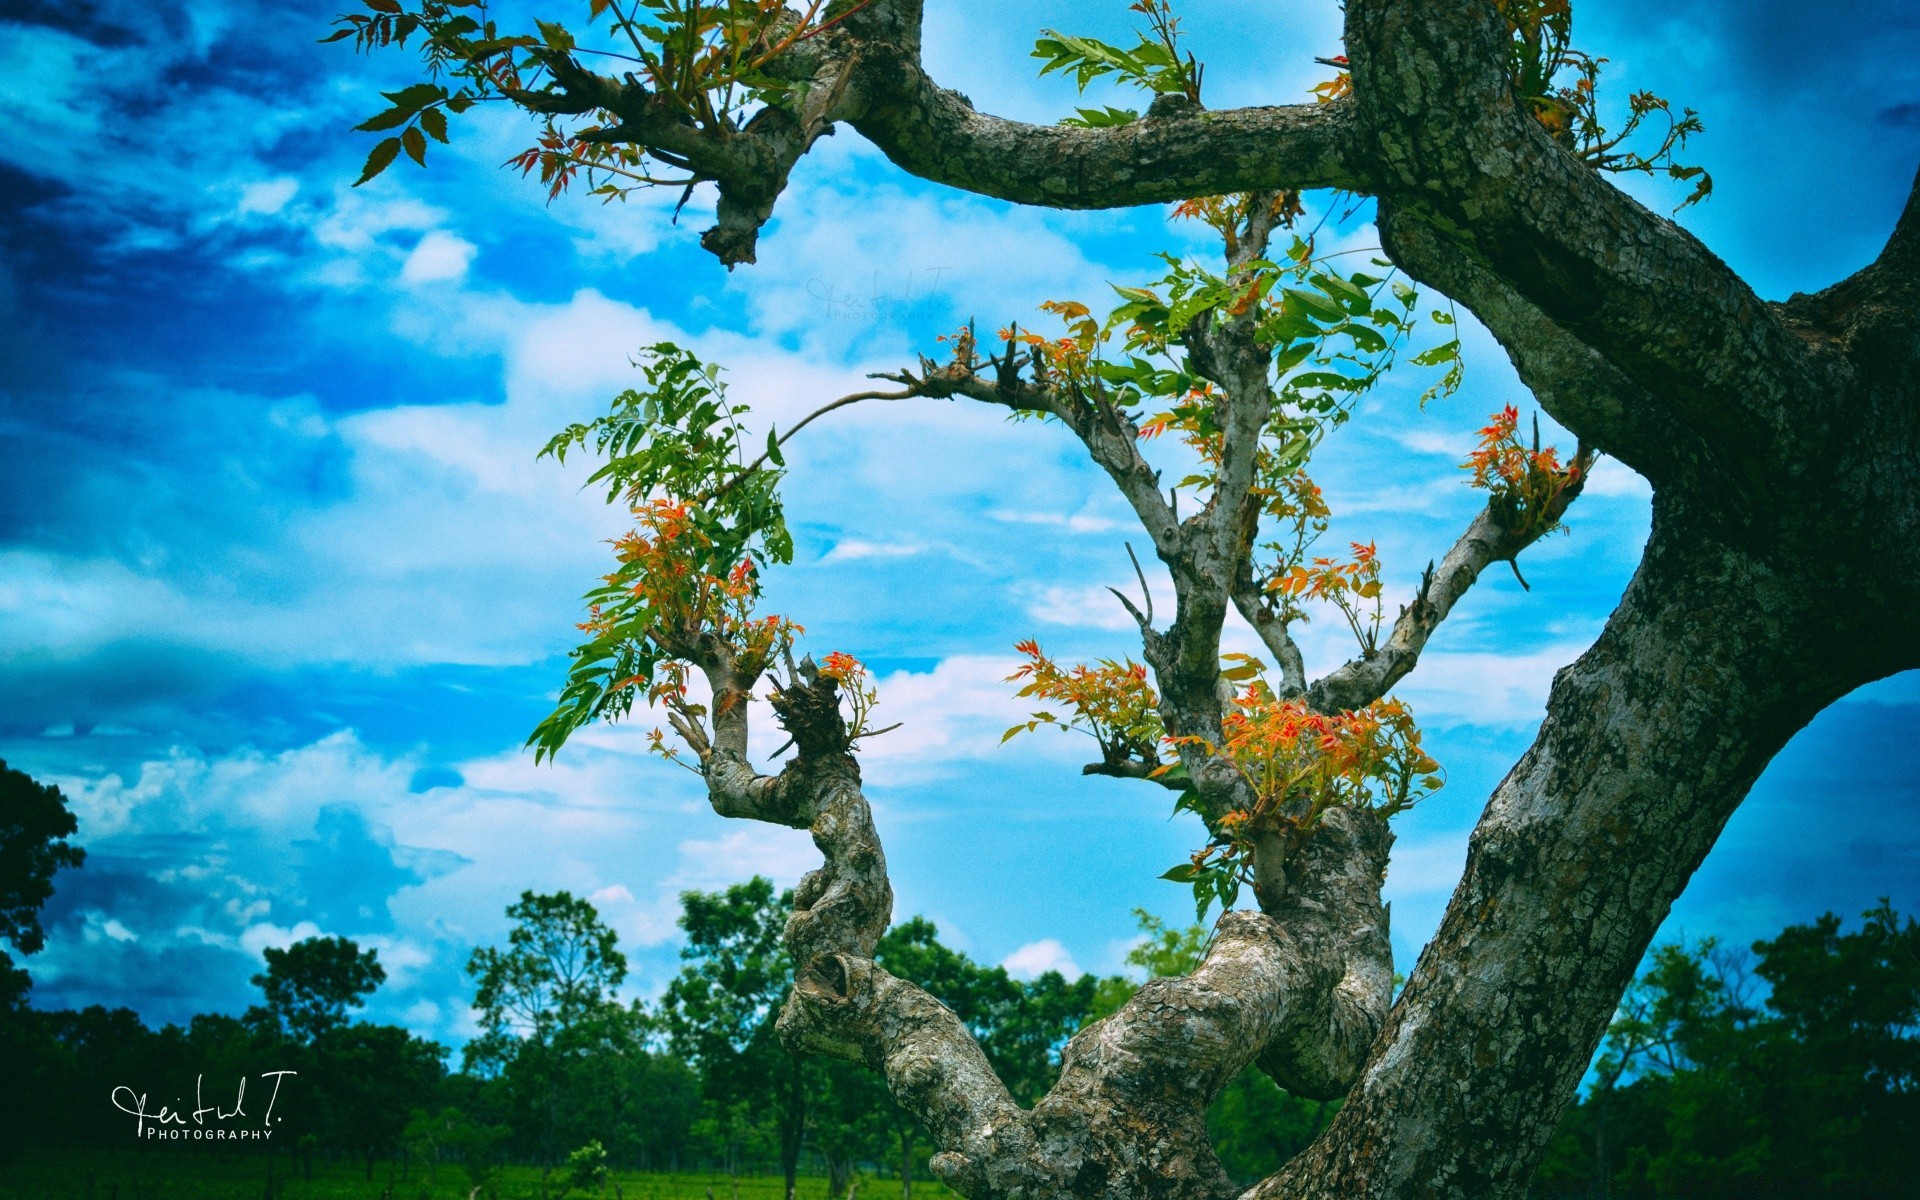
1341	290
378	161
1184	873
1105	117
415	144
1315	303
389	119
1445	352
434	121
773	450
417	96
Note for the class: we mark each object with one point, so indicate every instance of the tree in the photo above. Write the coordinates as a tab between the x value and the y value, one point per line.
34	827
1702	1090
551	1027
1783	560
718	1012
311	984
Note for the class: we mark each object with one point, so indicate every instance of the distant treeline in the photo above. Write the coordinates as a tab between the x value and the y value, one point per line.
1796	1067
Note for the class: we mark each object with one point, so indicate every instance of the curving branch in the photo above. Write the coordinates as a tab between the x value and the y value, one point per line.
1176	152
1701	350
864	70
1360	681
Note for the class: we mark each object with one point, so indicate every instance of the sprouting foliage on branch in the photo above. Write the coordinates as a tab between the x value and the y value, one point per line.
1298	764
1155	65
704	69
689	570
1112	702
1528	484
1560	86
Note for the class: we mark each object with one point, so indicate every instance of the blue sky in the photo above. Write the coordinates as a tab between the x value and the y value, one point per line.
282	589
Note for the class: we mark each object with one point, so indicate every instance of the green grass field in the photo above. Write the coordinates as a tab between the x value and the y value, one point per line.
182	1176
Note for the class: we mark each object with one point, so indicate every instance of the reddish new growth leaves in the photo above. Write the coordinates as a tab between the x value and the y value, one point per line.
1111	701
1352	586
1530	487
1298	764
857	689
661	568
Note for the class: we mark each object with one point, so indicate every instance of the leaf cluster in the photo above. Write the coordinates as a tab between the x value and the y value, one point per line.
1298	764
1112	702
1155	65
704	66
704	526
1526	482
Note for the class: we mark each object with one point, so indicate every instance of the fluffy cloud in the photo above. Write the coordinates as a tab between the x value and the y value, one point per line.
1037	958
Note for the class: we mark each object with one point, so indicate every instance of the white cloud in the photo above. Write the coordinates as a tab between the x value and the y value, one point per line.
854	549
438	257
1611	477
268	196
1084	521
746	849
260	937
1037	958
1465	688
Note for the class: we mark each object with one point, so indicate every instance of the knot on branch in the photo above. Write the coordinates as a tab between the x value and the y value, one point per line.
831	1009
808	708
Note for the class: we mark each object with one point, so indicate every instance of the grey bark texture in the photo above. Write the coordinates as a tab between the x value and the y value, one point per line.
1783	444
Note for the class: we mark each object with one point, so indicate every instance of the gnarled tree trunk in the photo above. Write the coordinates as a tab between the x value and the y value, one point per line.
1783	445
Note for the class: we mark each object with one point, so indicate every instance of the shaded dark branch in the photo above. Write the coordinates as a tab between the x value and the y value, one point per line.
1577	386
1705	356
1133	768
1361	681
864	70
1883	295
1176	153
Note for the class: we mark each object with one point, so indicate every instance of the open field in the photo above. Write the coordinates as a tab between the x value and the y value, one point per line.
85	1175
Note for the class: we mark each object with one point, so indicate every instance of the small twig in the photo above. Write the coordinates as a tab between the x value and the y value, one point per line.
1121	596
780	441
1514	562
1142	577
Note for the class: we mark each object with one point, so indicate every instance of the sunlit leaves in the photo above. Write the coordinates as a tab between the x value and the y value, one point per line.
703	63
1298	764
689	569
1111	701
1527	482
1352	586
1155	65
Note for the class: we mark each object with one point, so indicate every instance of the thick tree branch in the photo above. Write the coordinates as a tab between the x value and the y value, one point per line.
1706	356
866	71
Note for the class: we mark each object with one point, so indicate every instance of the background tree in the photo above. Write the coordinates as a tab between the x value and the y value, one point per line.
571	1061
1703	1090
718	1014
311	985
1783	561
34	827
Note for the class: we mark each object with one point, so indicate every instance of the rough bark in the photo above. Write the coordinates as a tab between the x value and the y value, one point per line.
1783	443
